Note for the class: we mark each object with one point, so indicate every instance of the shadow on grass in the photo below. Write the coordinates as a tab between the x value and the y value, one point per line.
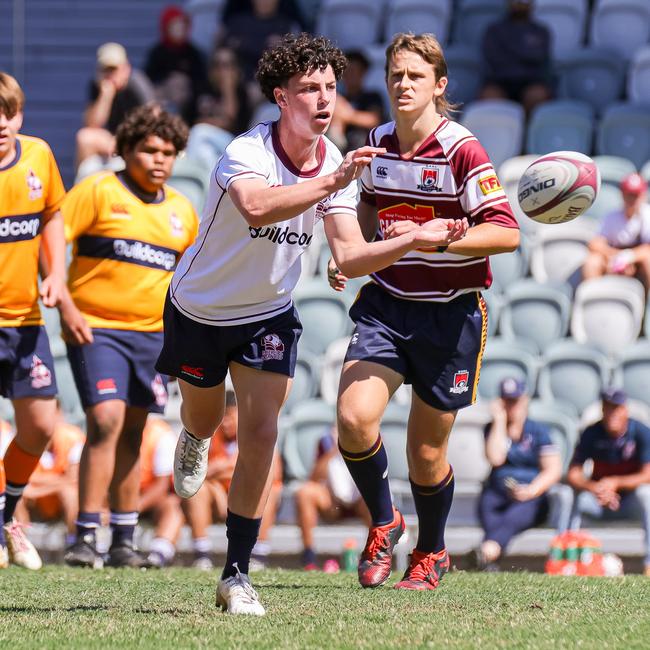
32	608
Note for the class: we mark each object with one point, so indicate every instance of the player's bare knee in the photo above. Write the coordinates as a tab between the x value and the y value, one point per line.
103	427
356	427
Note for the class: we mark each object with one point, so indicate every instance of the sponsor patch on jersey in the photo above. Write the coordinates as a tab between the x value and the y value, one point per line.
381	171
489	184
176	224
106	386
429	179
405	212
40	373
159	391
272	347
35	185
280	235
322	207
461	382
19	228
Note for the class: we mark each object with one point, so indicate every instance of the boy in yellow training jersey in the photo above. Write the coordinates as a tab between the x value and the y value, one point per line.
31	192
129	229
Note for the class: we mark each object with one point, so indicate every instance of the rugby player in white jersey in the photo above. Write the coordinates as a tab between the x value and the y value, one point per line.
229	305
422	320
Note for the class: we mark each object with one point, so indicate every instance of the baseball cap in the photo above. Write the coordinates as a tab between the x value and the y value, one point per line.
614	395
511	388
633	184
111	55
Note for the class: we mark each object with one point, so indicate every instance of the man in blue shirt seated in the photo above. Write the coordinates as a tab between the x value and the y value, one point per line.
525	464
619	485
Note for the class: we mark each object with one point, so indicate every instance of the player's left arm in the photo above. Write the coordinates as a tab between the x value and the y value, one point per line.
486	239
154	494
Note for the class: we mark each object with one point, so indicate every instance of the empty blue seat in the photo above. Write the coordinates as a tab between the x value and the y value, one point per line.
592	75
472	18
638	78
351	24
419	16
624	131
465	74
620	25
565	20
562	125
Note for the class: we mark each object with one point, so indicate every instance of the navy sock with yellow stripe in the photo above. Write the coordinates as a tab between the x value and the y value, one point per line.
432	504
369	469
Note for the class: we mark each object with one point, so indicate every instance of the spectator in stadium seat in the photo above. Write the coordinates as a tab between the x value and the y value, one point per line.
250	32
128	230
116	89
517	58
223	100
158	500
52	490
31	239
525	464
329	492
357	110
623	244
210	503
619	486
175	66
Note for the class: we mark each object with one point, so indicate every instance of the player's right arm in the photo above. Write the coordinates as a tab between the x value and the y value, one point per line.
98	111
262	205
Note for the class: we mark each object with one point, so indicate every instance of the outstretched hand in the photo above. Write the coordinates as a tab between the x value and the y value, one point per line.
437	232
353	163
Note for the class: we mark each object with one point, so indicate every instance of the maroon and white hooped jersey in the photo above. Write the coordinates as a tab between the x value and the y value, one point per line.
450	176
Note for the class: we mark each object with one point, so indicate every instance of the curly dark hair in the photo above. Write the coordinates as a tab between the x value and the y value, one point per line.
297	54
146	120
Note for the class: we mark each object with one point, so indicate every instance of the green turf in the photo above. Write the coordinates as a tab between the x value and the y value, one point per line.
68	608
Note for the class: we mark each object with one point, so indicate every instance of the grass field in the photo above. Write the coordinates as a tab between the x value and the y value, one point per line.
67	608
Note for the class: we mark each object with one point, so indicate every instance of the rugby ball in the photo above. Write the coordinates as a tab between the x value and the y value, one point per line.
558	187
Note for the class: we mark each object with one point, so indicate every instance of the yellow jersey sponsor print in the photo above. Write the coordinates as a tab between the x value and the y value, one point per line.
31	191
124	252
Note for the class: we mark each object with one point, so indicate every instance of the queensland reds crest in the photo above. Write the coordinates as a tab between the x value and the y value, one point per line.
272	347
429	177
461	382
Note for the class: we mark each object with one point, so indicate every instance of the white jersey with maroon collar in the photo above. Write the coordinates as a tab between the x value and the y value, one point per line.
234	273
449	176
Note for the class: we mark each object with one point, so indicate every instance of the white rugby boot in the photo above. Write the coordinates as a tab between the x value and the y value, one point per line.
190	464
236	595
21	551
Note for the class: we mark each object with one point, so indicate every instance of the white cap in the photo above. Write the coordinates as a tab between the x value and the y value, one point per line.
111	55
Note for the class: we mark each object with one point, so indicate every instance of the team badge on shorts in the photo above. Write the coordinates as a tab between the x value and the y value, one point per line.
272	348
106	386
461	382
40	373
159	391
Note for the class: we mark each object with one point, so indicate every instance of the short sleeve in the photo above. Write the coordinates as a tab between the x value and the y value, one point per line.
643	443
609	227
79	208
55	189
545	443
343	201
244	158
481	195
366	184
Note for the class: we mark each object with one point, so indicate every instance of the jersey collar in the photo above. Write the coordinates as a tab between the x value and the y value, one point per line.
286	161
16	157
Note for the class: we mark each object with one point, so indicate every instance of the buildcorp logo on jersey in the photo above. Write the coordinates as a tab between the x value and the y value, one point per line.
18	228
281	235
144	253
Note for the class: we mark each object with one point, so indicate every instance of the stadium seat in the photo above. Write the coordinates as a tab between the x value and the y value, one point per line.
638	77
506	358
608	311
624	131
621	25
419	16
536	312
375	78
351	24
191	179
471	19
494	303
323	313
613	169
207	143
265	112
634	368
97	163
559	251
572	371
308	422
499	126
466	450
67	395
332	363
608	199
306	379
562	125
393	434
509	268
566	22
592	75
206	17
465	74
564	428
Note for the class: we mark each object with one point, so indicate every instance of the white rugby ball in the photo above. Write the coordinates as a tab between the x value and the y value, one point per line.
558	187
